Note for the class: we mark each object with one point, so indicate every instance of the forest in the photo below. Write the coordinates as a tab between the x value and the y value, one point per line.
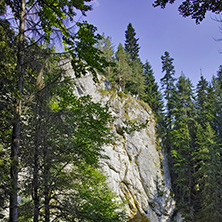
189	124
51	141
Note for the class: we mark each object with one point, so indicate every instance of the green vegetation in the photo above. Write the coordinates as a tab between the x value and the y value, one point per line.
189	127
50	140
196	9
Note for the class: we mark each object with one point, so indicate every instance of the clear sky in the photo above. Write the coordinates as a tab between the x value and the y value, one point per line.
192	46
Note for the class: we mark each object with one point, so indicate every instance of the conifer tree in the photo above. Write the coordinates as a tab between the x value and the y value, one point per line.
123	70
168	88
205	102
208	177
136	81
182	146
131	43
107	48
152	95
217	85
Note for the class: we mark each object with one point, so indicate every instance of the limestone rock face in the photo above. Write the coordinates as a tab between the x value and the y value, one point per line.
137	171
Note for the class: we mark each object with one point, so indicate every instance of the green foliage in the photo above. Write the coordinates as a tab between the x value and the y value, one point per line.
217	86
36	21
208	178
62	145
152	95
53	18
168	88
196	9
122	69
7	80
107	49
4	180
96	201
7	95
85	56
194	150
131	45
136	80
203	102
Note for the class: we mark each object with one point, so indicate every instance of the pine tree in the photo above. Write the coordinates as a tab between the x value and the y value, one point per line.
136	82
168	88
208	177
152	95
107	48
205	102
123	70
182	146
217	85
131	43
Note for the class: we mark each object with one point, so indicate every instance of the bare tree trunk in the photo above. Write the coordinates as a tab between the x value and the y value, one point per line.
46	189
36	182
38	111
13	211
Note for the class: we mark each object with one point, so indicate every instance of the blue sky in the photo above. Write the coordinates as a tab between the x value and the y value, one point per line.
192	46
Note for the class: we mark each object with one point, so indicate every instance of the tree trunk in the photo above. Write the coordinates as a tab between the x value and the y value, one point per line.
46	182
13	211
37	136
47	195
36	182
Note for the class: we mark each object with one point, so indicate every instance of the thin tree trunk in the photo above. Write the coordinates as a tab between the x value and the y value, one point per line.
38	111
46	182
46	192
36	181
13	211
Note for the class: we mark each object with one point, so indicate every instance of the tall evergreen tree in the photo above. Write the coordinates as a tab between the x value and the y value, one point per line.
182	145
123	70
107	48
204	102
131	43
168	88
152	95
217	85
136	81
208	177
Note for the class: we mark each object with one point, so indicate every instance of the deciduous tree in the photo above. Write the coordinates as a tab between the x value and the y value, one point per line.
44	20
196	9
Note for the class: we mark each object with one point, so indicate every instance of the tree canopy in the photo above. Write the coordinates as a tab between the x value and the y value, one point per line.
31	24
195	9
131	43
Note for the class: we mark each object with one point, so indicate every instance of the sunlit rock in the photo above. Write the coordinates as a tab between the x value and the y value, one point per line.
137	169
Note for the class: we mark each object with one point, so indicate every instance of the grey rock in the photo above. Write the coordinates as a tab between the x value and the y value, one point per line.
137	171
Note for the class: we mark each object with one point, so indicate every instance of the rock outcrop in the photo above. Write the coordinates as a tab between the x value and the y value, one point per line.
137	169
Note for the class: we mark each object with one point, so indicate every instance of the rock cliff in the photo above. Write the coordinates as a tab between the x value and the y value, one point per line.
137	168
